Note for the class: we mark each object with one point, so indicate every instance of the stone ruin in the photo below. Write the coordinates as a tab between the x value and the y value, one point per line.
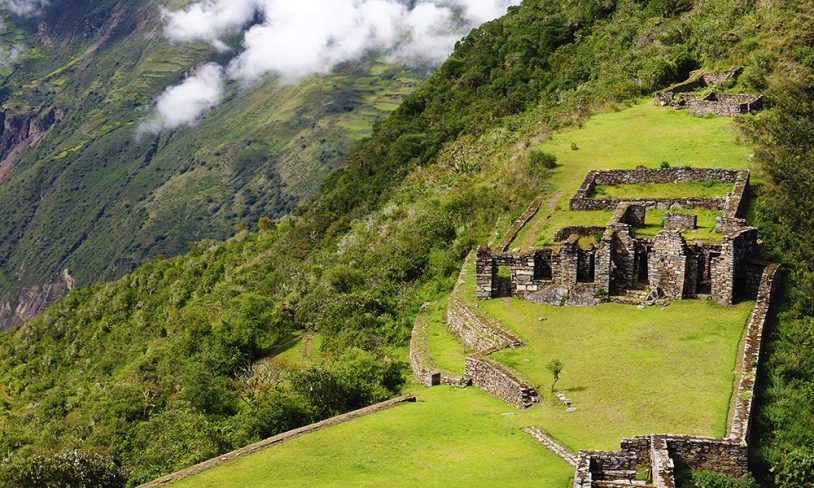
713	102
618	265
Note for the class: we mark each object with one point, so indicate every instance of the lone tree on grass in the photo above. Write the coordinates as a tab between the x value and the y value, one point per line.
555	367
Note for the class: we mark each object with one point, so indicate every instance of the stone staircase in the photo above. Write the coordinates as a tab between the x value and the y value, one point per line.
552	445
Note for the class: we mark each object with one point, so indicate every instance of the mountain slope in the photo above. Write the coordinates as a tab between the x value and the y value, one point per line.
79	191
151	370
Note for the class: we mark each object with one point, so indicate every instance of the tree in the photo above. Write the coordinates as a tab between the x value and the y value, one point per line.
555	368
266	224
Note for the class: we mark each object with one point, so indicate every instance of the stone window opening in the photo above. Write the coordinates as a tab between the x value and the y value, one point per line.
542	269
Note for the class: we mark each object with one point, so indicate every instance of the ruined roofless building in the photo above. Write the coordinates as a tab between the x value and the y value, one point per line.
621	263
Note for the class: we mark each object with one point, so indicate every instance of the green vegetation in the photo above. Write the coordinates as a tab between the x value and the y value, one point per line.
448	438
146	370
785	135
701	189
628	371
444	348
708	479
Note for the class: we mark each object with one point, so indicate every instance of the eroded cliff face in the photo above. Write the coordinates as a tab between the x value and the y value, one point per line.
29	301
19	132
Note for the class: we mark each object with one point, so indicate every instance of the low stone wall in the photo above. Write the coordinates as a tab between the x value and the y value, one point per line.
722	104
628	213
615	177
271	441
708	454
733	203
500	381
717	203
744	396
729	225
476	332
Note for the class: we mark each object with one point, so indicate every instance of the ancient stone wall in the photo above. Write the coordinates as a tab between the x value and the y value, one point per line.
500	381
708	454
679	221
519	224
729	225
721	104
583	200
744	396
614	177
629	213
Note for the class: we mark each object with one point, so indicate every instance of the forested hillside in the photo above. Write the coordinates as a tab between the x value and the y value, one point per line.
179	361
82	190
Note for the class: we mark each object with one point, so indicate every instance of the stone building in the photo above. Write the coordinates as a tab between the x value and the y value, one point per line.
620	264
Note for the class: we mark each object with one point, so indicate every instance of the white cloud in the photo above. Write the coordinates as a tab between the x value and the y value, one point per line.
184	104
25	8
293	39
209	20
10	56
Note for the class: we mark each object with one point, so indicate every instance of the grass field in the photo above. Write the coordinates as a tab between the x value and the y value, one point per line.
700	189
642	134
445	350
448	438
628	371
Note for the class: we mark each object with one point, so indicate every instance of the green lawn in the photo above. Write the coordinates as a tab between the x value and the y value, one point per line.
700	189
628	371
642	134
450	437
444	348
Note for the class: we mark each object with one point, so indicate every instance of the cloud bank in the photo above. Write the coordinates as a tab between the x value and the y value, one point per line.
293	39
25	8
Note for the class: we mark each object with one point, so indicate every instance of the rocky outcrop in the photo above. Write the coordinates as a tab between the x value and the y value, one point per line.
19	132
30	301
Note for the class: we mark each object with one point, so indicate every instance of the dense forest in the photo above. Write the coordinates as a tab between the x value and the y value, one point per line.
174	363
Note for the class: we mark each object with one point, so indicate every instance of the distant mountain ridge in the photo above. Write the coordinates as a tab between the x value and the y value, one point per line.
80	192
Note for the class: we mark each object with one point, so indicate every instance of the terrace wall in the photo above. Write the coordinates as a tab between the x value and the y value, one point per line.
500	381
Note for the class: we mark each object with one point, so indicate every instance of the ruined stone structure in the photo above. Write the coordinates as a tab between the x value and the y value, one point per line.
620	261
713	102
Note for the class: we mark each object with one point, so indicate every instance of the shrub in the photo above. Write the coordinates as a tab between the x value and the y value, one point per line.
664	165
542	160
709	479
795	469
72	469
